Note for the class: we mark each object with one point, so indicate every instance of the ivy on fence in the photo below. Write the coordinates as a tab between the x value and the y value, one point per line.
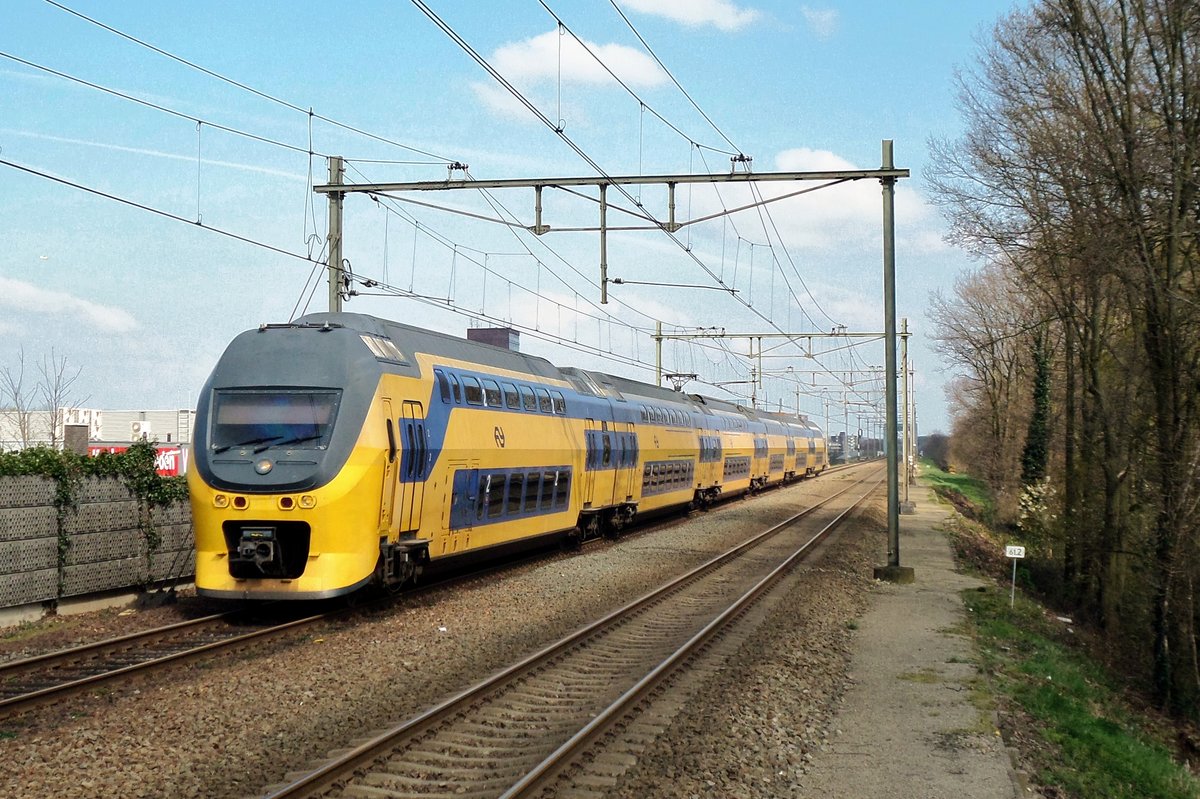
134	467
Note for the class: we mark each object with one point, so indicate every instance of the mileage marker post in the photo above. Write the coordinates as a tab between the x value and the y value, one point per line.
1016	553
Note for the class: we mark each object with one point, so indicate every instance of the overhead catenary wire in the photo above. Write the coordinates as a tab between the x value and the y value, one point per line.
309	113
678	85
644	105
731	143
153	210
156	106
533	109
601	316
245	87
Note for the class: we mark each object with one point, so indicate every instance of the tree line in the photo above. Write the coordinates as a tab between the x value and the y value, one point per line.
1077	341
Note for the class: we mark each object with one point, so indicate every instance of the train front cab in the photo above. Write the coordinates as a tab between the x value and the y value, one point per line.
319	542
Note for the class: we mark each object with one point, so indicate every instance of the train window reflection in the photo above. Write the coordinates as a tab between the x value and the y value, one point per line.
495	495
472	390
491	393
562	489
516	492
532	483
294	418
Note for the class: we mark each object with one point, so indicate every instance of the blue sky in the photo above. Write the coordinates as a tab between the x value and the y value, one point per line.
145	303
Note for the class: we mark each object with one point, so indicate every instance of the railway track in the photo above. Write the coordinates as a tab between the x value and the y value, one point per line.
513	734
53	676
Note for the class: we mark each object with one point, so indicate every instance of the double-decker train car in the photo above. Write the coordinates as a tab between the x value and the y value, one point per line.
342	450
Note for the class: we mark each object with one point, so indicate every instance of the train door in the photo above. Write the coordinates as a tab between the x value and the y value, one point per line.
413	464
463	505
591	447
388	489
626	462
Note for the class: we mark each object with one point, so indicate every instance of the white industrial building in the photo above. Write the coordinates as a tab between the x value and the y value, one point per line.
116	428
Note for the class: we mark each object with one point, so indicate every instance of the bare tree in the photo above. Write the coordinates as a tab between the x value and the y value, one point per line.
13	395
985	329
57	391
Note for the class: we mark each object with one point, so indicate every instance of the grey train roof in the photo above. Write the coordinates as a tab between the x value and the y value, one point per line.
409	338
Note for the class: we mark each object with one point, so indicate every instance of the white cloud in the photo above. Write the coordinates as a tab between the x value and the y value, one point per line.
501	101
537	60
721	14
26	297
834	217
821	21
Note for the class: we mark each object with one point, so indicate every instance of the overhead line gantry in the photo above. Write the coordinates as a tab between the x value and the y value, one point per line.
887	175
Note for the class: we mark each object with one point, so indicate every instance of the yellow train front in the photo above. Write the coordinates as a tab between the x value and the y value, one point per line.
343	450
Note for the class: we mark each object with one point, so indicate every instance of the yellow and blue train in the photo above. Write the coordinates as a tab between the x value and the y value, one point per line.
342	450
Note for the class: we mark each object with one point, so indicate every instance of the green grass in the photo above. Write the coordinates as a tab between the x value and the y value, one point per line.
951	484
1094	744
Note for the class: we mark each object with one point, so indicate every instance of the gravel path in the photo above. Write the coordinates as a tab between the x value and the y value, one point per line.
226	727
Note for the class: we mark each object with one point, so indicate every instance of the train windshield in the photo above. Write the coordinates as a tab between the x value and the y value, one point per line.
297	418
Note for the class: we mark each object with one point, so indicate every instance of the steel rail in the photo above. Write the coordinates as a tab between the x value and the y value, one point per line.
331	773
53	692
13	666
546	771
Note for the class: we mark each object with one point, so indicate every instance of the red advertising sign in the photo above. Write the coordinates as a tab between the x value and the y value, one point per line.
169	461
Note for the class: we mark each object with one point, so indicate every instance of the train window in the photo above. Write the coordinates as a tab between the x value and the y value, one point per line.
606	461
495	495
391	442
531	491
273	417
516	492
413	455
528	399
443	385
472	390
562	489
544	401
454	388
547	490
491	393
511	398
560	404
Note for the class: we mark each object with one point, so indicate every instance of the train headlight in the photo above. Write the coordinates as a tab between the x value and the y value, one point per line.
264	466
220	501
308	501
